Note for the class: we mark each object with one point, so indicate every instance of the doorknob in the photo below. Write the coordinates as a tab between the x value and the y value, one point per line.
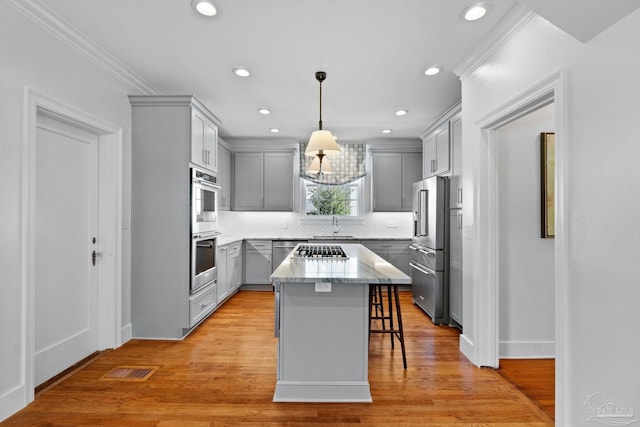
95	255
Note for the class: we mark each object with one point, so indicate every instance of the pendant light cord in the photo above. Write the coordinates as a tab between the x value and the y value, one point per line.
320	122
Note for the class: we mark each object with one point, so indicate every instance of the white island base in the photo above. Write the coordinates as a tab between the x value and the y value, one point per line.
324	342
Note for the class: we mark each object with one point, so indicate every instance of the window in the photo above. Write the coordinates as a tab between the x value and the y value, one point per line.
322	200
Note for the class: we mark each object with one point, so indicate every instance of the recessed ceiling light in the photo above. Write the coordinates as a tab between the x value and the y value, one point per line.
264	111
432	71
274	130
475	12
386	130
241	72
204	7
401	112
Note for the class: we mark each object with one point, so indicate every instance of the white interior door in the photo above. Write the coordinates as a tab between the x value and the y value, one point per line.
66	222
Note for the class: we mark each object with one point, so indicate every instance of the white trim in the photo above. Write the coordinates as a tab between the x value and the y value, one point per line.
486	315
62	30
466	346
509	25
527	349
126	332
11	402
110	208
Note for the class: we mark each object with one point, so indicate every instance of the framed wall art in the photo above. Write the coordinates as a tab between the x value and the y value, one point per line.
547	181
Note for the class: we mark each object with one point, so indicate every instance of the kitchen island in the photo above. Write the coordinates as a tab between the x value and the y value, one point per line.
322	321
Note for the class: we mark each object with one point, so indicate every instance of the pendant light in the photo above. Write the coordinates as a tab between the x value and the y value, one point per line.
321	141
314	167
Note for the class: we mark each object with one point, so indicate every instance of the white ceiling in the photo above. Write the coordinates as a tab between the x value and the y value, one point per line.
374	52
583	19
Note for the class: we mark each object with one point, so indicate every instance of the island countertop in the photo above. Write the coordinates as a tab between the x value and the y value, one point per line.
361	266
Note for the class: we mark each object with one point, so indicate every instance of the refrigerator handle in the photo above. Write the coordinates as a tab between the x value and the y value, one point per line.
423	216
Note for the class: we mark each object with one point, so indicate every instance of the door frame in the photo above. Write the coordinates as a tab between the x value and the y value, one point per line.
110	202
552	89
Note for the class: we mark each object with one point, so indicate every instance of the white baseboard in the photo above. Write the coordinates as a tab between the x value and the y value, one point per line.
127	333
466	347
527	349
11	402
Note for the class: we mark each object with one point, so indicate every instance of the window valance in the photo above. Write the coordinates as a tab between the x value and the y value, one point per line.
348	165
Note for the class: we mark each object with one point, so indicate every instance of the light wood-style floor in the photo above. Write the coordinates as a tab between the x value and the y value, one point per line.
224	374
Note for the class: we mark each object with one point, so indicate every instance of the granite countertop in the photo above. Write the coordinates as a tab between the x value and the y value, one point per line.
361	266
228	239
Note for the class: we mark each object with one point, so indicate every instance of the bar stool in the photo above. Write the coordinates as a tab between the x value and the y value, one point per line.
376	312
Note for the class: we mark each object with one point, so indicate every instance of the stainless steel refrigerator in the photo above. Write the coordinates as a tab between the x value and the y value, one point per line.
429	256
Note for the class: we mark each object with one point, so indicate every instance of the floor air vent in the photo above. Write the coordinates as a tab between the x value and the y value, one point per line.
130	373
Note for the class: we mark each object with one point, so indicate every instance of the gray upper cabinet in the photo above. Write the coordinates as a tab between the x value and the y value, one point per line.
455	182
411	172
278	181
224	178
263	181
393	175
204	139
248	182
387	181
435	150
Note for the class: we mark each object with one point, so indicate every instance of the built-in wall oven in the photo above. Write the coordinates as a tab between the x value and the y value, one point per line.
204	228
203	260
204	202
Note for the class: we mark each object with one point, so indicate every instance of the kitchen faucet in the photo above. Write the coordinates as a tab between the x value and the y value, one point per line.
336	228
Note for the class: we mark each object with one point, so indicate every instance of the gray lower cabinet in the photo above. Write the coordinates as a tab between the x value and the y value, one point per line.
393	175
202	304
221	262
234	267
229	262
257	263
397	252
455	266
263	181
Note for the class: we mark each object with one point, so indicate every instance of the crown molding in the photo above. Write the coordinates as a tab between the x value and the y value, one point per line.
510	24
445	117
45	18
237	145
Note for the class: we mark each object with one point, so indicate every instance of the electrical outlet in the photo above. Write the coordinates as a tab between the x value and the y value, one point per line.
285	225
393	224
323	286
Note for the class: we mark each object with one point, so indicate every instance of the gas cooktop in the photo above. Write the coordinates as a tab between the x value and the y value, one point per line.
320	251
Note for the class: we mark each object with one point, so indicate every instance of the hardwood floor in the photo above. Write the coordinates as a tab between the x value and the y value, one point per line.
535	378
224	374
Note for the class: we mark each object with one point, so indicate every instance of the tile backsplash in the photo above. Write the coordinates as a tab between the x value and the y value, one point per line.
290	224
